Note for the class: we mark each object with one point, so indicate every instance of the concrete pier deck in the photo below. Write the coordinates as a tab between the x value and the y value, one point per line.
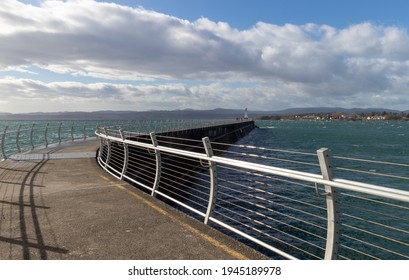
57	203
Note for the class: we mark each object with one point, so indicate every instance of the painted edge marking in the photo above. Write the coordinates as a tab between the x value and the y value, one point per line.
206	237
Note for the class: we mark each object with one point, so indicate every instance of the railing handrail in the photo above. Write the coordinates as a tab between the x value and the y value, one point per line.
332	184
44	136
380	191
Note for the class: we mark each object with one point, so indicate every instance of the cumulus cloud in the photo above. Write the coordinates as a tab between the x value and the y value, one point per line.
284	65
62	96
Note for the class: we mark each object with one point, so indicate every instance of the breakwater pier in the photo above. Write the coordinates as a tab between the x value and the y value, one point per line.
57	203
69	201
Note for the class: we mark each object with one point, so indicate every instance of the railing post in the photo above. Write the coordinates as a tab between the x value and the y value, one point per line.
3	140
45	135
109	149
213	179
98	130
126	154
17	138
31	135
333	223
59	133
72	132
158	164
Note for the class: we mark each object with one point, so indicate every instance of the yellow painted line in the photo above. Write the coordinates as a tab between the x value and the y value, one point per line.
206	237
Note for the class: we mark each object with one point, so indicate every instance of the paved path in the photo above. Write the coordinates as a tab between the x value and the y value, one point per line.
57	203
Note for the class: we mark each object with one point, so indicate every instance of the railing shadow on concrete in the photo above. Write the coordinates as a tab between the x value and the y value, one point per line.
276	208
24	227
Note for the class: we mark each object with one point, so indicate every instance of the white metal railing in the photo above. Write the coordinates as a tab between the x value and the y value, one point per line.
18	139
295	214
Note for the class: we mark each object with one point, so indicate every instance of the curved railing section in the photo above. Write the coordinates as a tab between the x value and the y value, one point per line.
20	137
284	203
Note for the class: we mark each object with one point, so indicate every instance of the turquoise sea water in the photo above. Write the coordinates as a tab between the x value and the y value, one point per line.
372	140
376	139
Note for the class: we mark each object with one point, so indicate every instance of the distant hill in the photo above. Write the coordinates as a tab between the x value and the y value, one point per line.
127	115
218	113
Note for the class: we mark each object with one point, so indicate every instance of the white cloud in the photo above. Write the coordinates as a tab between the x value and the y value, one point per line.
286	65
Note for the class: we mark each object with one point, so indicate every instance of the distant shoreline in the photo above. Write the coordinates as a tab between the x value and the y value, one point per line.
341	117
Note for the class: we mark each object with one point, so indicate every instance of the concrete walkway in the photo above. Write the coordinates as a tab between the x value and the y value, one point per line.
57	203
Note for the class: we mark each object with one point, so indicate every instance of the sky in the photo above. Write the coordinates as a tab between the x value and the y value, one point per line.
86	55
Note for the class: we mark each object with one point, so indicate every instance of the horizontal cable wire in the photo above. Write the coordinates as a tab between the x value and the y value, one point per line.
185	143
192	180
135	165
182	190
376	234
148	181
281	188
375	246
376	201
265	149
277	212
274	194
268	235
178	194
269	185
196	173
138	183
359	252
193	164
161	138
187	170
372	161
142	162
279	204
375	223
374	211
174	157
270	178
266	157
275	229
372	173
268	217
142	176
190	185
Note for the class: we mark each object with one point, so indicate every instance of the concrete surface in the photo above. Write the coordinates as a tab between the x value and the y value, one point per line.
67	207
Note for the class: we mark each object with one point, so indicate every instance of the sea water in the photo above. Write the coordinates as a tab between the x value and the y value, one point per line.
368	139
377	141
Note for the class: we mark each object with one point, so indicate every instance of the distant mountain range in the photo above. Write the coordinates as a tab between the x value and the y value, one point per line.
218	113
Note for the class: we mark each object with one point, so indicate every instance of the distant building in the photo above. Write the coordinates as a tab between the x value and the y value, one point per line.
246	117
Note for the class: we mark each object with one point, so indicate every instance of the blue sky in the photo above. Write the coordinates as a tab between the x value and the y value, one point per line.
243	14
85	55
